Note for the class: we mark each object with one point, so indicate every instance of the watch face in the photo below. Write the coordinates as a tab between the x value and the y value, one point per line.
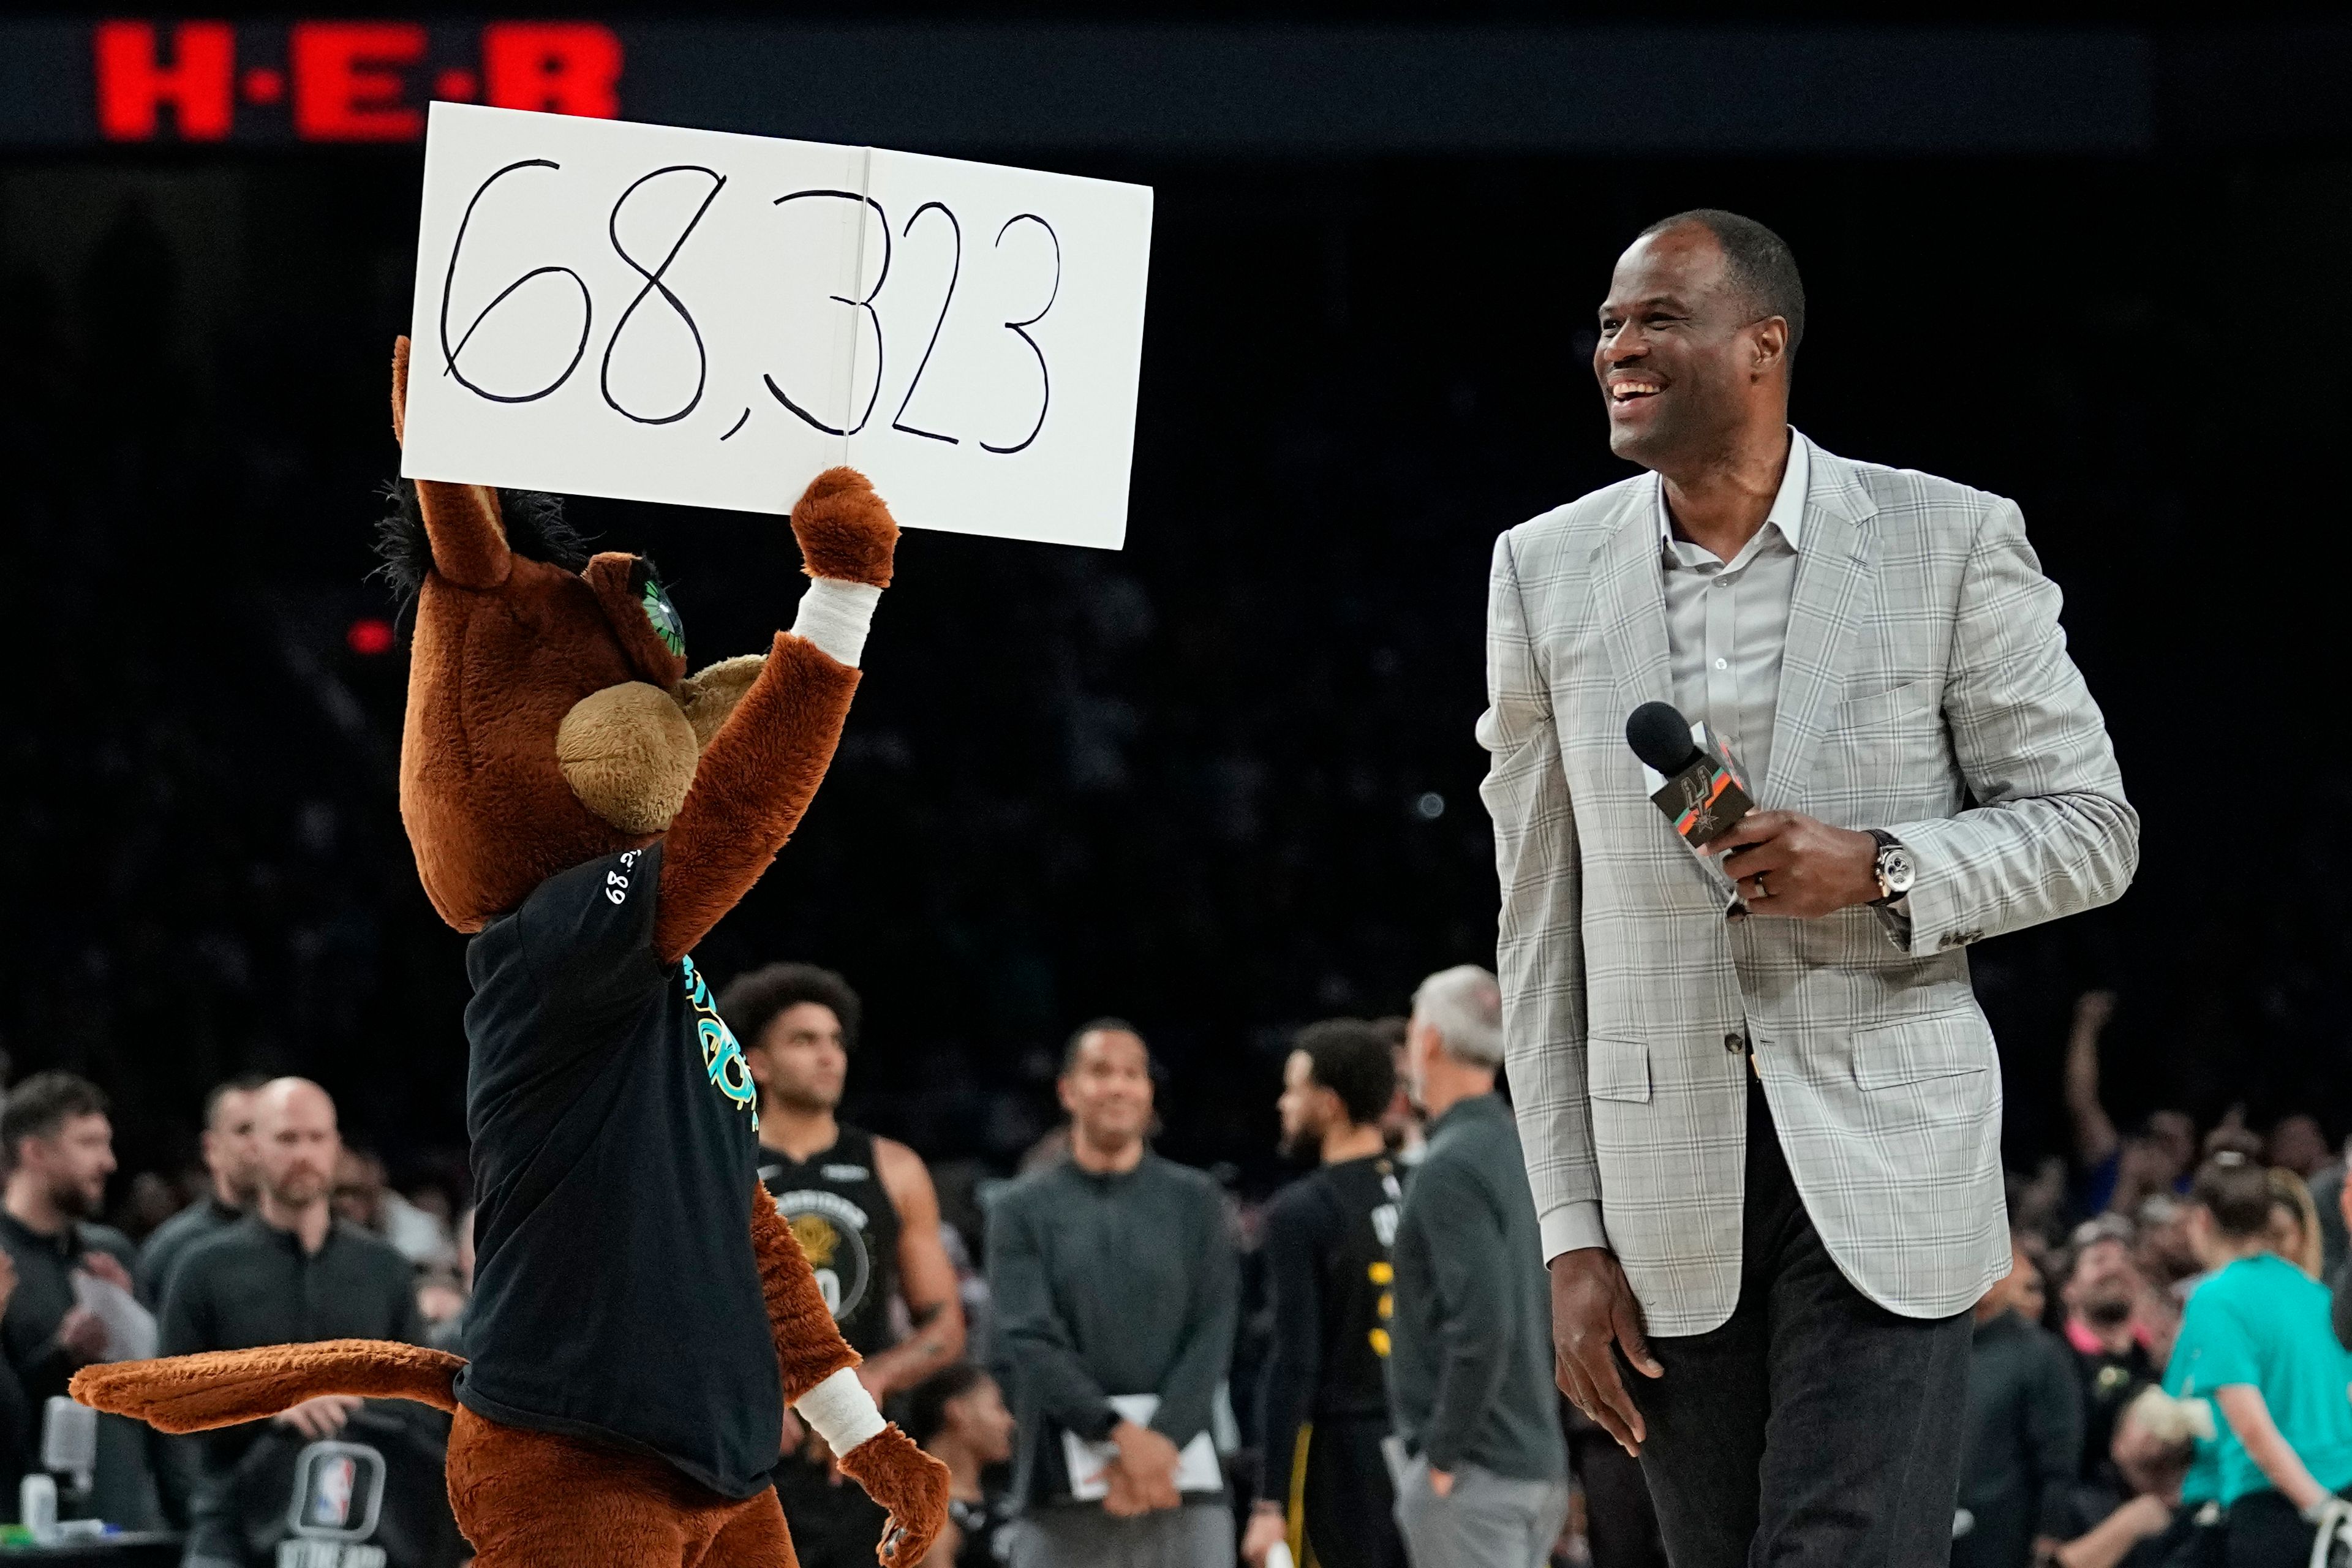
1895	868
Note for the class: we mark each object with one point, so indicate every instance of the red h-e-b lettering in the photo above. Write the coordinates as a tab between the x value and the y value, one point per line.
347	81
564	67
133	83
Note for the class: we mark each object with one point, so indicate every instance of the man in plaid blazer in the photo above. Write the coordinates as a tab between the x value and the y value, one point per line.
1763	1132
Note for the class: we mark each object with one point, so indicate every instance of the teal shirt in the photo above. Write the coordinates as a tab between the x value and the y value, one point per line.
2262	1321
2202	1484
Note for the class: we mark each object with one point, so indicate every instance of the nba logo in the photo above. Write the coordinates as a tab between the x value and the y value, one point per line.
330	1494
338	1496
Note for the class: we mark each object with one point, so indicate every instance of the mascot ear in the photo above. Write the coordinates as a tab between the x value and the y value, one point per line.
710	694
469	543
628	754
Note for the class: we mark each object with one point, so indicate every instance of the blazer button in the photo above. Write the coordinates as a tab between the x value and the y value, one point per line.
1735	1043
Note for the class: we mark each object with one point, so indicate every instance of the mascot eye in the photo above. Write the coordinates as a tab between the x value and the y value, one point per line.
668	626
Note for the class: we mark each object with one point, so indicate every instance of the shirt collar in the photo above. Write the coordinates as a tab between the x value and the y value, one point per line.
66	1243
1787	513
1476	1108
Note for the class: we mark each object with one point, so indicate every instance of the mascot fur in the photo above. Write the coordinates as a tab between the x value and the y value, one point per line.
641	1316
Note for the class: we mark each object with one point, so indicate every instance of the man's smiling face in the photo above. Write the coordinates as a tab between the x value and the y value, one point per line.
1678	350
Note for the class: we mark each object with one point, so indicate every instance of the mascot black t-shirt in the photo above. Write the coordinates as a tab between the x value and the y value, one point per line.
613	1116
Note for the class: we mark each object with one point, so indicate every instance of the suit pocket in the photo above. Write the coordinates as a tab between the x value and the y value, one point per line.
1904	702
1945	1044
1617	1070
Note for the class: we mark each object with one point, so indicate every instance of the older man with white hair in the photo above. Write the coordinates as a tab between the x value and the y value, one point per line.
1470	1358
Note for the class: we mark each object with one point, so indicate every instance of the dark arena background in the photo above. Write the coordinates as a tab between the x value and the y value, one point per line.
1221	783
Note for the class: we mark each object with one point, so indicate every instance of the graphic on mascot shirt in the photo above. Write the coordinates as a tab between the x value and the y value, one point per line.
722	1058
832	1230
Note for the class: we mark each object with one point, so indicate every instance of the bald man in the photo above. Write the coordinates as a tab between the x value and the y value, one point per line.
288	1271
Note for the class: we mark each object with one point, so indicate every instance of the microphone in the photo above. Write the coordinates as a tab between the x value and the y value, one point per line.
1705	790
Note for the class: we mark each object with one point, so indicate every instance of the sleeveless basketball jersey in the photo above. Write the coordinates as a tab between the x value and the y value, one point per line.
844	1221
1357	1303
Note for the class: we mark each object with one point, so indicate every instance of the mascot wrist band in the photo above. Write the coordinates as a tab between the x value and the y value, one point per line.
835	615
839	1408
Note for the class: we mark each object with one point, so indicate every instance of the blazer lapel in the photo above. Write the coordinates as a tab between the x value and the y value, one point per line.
1834	568
1630	591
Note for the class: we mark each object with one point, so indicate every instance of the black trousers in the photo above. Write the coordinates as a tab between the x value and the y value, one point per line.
1814	1428
1350	1507
1621	1522
2266	1531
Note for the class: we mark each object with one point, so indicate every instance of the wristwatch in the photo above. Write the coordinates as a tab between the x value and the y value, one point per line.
1893	867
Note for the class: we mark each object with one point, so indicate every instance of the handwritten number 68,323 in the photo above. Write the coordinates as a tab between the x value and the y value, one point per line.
656	283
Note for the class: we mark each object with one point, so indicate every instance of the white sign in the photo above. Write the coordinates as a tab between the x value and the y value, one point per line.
688	316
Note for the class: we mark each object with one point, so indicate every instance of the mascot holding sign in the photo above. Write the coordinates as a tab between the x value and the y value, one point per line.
588	810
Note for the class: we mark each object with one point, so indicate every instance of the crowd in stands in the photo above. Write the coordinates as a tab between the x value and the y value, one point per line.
1121	1360
2163	1364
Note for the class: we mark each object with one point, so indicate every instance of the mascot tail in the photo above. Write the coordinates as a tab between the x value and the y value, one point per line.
221	1388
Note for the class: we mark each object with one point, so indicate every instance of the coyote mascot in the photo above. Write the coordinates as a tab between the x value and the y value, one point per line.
588	811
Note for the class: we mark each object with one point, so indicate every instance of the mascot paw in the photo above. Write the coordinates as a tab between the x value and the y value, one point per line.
845	531
909	1483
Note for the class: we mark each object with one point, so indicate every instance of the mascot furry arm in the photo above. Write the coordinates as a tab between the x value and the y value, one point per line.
551	722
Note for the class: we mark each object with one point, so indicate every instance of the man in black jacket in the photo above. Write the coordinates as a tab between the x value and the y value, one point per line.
287	1273
1323	1406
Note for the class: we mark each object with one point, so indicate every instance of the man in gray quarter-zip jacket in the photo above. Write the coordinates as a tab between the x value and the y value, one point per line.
1470	1359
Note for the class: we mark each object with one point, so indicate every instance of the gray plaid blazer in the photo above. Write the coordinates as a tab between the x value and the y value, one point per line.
1924	690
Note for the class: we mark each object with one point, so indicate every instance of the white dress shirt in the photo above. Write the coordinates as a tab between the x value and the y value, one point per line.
1726	622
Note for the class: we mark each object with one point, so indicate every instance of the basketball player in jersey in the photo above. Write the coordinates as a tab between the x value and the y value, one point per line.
1324	1402
864	1210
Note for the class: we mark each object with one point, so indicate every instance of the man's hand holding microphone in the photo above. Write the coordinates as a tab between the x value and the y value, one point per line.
1781	862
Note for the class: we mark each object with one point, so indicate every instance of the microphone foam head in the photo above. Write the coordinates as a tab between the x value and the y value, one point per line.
1661	737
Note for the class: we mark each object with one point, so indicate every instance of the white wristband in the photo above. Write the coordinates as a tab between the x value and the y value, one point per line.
835	615
840	1409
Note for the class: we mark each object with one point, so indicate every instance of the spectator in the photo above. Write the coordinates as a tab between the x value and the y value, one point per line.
2024	1446
2231	1134
864	1210
1323	1407
2103	1295
959	1417
59	1147
230	1165
2152	1528
2295	1222
2297	1145
287	1273
2327	1199
364	1196
1470	1366
1114	1275
441	1302
2256	1340
2117	1173
153	1199
2342	1290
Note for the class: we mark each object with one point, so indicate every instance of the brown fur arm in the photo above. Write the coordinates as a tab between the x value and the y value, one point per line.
221	1388
809	1347
462	522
